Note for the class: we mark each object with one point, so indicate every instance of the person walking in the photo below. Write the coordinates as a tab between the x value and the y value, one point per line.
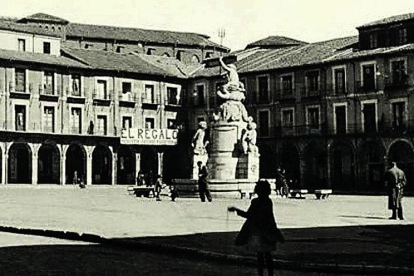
202	182
260	232
159	185
395	180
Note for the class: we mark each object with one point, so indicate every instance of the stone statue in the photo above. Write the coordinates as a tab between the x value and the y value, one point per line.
233	92
249	138
198	144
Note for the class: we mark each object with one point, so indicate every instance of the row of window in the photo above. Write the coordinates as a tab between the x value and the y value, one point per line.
100	126
369	73
101	92
21	46
313	117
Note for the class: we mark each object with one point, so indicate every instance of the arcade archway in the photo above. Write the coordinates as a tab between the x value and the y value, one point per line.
289	160
314	166
75	162
402	153
101	165
20	164
48	164
342	167
126	166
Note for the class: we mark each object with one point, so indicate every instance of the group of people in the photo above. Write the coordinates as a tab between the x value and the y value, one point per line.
147	179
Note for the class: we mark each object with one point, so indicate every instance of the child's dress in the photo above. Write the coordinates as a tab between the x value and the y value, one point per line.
259	232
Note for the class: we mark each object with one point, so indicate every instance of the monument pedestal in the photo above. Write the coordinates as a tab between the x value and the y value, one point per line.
248	167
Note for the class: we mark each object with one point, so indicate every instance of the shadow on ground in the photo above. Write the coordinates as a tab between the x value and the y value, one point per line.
378	245
91	260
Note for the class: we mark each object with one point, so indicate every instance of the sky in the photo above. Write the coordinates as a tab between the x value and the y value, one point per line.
244	21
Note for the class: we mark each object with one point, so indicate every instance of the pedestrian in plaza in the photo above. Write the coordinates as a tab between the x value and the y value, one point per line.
159	185
395	181
202	182
141	178
283	183
173	192
260	232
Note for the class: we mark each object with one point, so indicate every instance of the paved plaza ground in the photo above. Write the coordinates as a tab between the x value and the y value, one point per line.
342	230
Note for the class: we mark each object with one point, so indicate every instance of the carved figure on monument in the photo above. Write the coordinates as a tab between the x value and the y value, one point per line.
233	92
249	138
198	144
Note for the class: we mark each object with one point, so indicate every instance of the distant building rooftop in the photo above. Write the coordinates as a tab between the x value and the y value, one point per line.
388	20
275	42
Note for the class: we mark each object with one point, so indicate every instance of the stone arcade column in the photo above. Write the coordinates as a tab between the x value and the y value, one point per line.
114	165
160	163
35	161
137	165
5	162
89	151
63	149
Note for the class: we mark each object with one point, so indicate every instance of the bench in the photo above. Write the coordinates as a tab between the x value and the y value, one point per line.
140	191
322	193
300	192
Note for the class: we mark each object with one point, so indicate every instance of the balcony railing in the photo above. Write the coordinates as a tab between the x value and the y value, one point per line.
127	97
392	85
366	87
384	128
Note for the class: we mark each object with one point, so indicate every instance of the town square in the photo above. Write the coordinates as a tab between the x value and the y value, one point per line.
194	138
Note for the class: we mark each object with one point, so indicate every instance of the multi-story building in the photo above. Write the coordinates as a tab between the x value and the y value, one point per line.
184	46
100	116
331	113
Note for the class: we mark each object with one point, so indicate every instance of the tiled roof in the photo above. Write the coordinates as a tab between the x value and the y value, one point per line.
306	55
285	57
275	41
388	20
130	63
138	35
9	25
43	17
332	51
29	57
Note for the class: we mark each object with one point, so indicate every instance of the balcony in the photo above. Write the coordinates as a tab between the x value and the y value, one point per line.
48	94
18	92
75	96
102	98
303	130
366	87
127	99
396	86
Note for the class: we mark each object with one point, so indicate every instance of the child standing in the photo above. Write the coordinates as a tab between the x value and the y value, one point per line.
260	232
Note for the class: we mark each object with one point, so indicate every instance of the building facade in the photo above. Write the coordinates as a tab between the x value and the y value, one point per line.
72	115
331	113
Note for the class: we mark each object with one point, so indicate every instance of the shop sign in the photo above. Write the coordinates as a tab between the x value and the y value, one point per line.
149	136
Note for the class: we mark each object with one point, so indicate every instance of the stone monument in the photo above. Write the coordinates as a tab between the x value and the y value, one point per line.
233	157
234	154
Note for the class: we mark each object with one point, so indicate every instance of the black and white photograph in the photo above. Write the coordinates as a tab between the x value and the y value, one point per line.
206	137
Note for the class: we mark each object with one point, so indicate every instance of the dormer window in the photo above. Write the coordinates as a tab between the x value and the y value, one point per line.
402	36
22	45
46	47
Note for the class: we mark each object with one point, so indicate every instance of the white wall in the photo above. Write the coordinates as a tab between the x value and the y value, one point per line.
34	43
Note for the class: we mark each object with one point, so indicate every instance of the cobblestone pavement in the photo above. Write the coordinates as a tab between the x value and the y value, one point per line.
23	255
339	230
